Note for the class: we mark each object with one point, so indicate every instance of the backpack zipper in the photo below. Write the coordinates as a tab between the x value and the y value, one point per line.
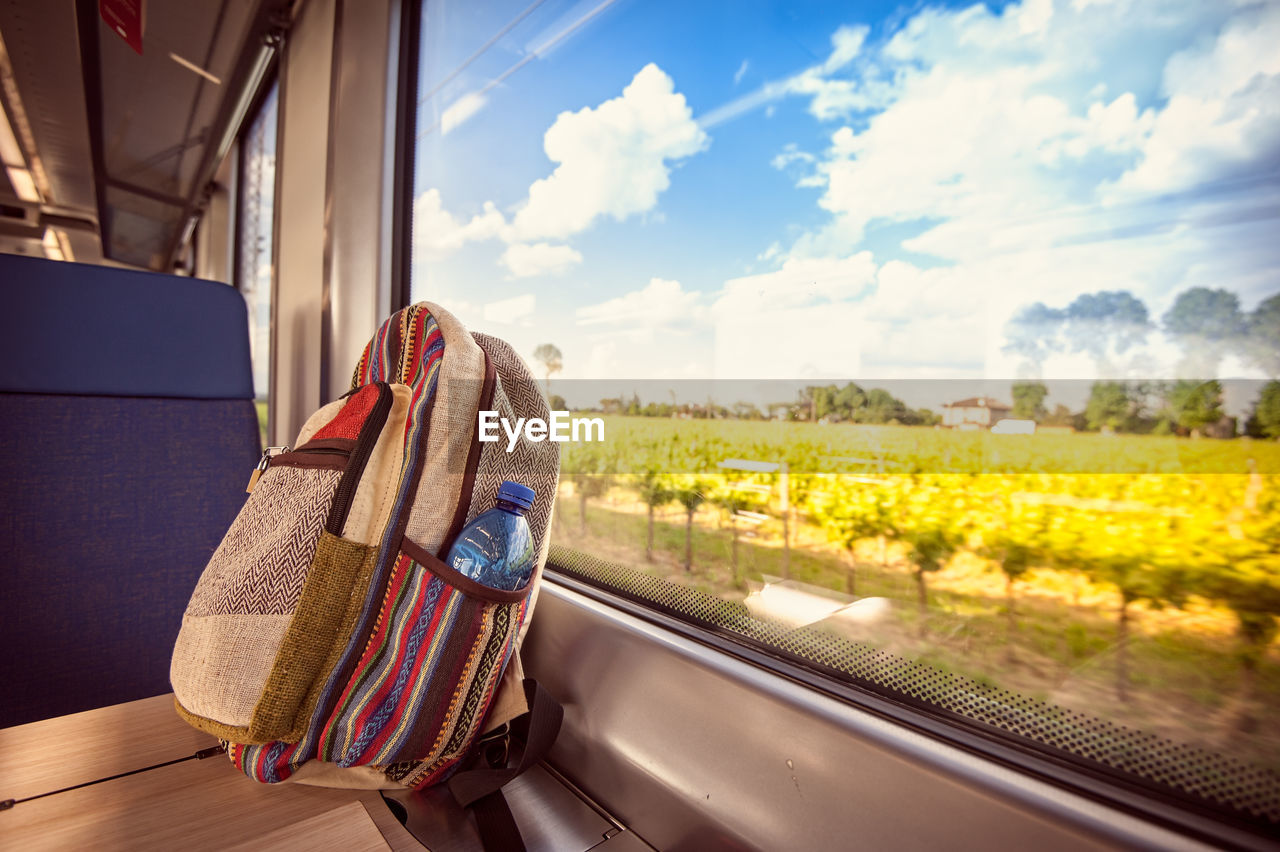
369	432
263	464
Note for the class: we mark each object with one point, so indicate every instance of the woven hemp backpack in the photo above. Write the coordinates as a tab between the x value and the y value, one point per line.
326	642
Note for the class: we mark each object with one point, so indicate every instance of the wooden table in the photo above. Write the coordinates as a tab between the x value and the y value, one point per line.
124	777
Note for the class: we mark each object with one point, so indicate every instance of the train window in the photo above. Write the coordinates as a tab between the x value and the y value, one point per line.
935	347
255	243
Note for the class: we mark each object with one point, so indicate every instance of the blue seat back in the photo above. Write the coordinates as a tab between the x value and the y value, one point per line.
127	433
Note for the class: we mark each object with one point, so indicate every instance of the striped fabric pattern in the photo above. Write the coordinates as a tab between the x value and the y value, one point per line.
407	349
428	672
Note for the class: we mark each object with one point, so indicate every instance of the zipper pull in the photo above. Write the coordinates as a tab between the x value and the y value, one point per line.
263	463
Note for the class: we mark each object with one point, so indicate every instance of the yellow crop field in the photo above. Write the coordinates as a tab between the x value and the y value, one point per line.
1132	577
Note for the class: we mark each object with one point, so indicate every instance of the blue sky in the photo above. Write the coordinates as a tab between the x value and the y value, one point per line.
839	191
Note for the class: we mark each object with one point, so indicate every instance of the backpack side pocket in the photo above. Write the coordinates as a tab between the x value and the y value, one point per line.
428	673
244	606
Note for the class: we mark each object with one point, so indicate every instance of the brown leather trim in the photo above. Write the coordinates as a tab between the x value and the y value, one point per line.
473	459
325	454
342	445
313	461
462	583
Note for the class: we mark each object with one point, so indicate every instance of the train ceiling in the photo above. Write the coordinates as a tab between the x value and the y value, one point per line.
121	111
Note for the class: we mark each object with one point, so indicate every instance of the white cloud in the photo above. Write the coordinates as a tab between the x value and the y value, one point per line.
662	302
846	43
602	361
799	282
511	311
831	97
811	342
1223	109
995	136
835	97
791	153
461	110
436	233
613	160
1027	152
524	260
742	70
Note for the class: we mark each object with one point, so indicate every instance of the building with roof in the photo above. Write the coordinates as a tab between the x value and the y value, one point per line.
976	412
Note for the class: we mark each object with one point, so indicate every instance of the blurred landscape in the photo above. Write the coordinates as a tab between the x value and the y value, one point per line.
1148	597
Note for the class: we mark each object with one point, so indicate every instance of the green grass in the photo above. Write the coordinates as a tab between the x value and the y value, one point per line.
692	445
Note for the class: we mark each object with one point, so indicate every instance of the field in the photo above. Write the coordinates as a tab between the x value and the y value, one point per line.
635	442
1133	578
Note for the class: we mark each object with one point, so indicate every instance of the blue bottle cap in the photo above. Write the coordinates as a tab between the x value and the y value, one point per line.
514	492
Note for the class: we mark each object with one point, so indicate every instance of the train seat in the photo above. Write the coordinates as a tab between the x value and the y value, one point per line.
127	433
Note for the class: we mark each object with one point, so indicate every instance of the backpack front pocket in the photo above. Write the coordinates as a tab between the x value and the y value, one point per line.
427	676
242	609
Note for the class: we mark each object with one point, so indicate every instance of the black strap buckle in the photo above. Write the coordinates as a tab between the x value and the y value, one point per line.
495	747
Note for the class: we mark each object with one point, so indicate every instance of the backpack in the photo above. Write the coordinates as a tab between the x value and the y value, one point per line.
326	642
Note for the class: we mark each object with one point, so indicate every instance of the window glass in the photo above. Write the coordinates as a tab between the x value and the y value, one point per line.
948	331
255	260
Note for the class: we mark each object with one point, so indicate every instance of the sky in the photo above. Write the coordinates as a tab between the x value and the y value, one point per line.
845	191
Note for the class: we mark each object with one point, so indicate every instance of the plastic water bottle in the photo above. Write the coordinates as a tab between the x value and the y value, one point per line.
496	549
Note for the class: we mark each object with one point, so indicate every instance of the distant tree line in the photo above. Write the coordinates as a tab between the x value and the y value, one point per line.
824	403
1207	324
1180	407
852	404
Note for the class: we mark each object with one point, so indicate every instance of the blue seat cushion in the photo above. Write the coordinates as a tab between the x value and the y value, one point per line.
110	508
70	328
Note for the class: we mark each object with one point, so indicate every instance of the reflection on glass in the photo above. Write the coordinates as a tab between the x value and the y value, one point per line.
1010	274
255	263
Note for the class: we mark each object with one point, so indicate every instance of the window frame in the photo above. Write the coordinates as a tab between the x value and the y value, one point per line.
404	157
270	83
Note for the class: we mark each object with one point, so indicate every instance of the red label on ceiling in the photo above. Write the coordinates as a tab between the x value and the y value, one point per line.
126	18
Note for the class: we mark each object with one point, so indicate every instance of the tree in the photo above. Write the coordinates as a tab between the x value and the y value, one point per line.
848	400
883	407
1206	324
1262	336
548	355
1033	334
690	492
1028	400
932	534
1138	554
1106	322
851	511
733	500
1245	576
1265	422
592	477
1195	405
929	546
927	417
655	491
557	403
1014	540
1109	406
1062	416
